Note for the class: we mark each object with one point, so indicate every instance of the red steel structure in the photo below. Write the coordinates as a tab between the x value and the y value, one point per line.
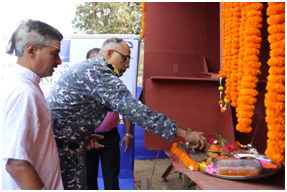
182	57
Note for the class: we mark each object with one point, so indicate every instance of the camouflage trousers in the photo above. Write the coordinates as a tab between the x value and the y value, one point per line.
72	169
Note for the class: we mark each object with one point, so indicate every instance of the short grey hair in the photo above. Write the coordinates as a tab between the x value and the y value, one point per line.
111	43
32	31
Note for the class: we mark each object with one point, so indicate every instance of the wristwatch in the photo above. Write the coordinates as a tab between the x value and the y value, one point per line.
130	135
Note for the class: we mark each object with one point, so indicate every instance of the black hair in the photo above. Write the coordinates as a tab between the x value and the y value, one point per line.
91	51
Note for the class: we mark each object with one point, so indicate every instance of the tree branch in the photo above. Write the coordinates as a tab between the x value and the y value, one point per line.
94	10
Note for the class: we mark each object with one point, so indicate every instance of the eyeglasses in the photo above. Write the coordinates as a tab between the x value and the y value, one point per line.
127	58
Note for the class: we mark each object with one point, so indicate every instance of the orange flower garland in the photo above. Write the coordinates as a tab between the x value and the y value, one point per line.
228	44
251	67
226	27
184	158
235	52
240	72
143	20
275	96
223	72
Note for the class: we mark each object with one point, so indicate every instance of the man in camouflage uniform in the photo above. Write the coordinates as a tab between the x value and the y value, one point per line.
82	97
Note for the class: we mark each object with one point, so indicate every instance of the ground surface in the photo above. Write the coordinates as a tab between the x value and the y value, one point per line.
144	168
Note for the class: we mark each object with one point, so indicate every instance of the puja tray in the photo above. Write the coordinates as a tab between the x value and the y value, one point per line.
264	171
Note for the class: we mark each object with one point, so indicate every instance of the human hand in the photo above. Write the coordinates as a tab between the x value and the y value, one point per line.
128	142
196	138
91	143
80	150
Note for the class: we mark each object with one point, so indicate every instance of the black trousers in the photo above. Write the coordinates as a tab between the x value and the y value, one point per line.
110	160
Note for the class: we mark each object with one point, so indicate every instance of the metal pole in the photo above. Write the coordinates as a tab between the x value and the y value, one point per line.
153	168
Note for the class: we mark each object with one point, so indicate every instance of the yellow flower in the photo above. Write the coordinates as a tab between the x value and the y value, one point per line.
226	100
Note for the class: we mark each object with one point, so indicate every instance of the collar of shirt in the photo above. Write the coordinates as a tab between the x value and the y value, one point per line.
111	66
28	73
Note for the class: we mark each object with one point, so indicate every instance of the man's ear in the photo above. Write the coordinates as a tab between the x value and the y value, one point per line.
31	50
109	53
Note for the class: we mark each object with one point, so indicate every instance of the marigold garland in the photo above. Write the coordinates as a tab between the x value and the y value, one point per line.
251	67
276	79
235	52
275	87
252	45
252	31
275	97
273	29
143	20
276	127
277	53
247	99
275	9
273	112
252	72
246	107
250	85
240	71
276	19
250	58
276	37
278	45
278	135
184	158
241	65
228	44
277	70
223	13
278	61
246	114
223	72
249	92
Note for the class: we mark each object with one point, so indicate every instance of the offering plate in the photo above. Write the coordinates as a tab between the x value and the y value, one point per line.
264	171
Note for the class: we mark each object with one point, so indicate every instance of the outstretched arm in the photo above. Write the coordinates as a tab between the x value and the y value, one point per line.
127	139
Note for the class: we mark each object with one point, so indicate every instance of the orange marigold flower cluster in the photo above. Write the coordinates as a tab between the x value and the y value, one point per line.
275	97
230	43
251	67
143	19
222	72
242	32
235	51
228	51
184	158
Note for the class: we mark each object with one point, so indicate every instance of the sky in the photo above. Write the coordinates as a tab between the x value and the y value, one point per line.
58	14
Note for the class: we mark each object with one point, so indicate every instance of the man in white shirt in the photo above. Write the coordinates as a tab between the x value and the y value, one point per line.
29	151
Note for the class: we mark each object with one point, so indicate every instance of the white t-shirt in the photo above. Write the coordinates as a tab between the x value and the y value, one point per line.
27	129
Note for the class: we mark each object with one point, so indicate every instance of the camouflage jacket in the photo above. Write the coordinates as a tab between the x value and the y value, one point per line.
81	98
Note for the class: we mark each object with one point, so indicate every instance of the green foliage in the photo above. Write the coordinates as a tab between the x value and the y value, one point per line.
220	138
109	18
